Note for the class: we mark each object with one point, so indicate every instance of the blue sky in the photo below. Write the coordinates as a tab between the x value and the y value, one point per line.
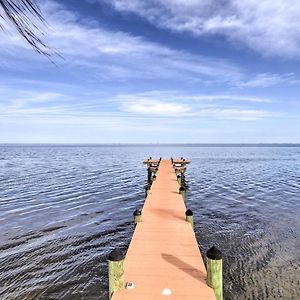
160	71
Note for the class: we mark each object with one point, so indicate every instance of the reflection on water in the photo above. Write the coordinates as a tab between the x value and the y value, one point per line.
63	208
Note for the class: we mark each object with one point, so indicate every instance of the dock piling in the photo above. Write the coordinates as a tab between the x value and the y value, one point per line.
214	271
182	192
137	215
189	216
182	179
116	276
149	174
147	189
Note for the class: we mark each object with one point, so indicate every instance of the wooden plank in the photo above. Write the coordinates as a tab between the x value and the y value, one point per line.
163	256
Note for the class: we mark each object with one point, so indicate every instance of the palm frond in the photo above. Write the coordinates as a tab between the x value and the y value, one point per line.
26	16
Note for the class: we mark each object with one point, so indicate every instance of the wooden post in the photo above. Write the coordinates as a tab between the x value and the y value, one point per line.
116	277
178	178
137	215
182	181
214	271
149	174
189	217
182	191
147	189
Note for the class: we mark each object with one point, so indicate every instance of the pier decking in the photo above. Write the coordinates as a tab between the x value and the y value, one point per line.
163	259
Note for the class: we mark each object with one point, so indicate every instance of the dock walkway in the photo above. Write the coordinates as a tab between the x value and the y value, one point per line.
163	259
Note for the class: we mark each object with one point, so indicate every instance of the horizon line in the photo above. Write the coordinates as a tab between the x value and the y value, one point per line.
282	144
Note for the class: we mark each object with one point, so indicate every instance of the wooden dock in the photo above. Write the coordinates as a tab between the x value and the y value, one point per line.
163	259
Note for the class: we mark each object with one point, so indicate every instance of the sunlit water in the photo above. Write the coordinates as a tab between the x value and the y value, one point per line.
64	208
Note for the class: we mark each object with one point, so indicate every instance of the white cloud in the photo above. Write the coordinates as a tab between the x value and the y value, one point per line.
156	108
268	27
174	104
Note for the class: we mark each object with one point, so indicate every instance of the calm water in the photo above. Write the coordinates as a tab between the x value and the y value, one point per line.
63	208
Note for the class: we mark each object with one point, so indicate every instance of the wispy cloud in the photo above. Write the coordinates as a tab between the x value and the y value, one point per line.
268	27
151	104
175	104
113	55
269	79
107	55
177	96
241	114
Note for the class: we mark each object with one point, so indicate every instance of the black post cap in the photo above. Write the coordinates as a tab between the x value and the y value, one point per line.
154	176
181	189
214	253
189	213
116	255
178	176
137	213
150	157
181	157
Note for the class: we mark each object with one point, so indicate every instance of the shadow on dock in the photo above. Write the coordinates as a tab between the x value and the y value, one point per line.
185	267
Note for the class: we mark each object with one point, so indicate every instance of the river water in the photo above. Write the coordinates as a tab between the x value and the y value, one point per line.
64	208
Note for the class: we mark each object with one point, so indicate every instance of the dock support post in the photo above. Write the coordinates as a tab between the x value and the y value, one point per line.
182	192
182	176
137	215
147	189
189	217
149	174
214	271
116	277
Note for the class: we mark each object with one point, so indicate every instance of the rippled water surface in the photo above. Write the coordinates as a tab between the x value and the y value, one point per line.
63	208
